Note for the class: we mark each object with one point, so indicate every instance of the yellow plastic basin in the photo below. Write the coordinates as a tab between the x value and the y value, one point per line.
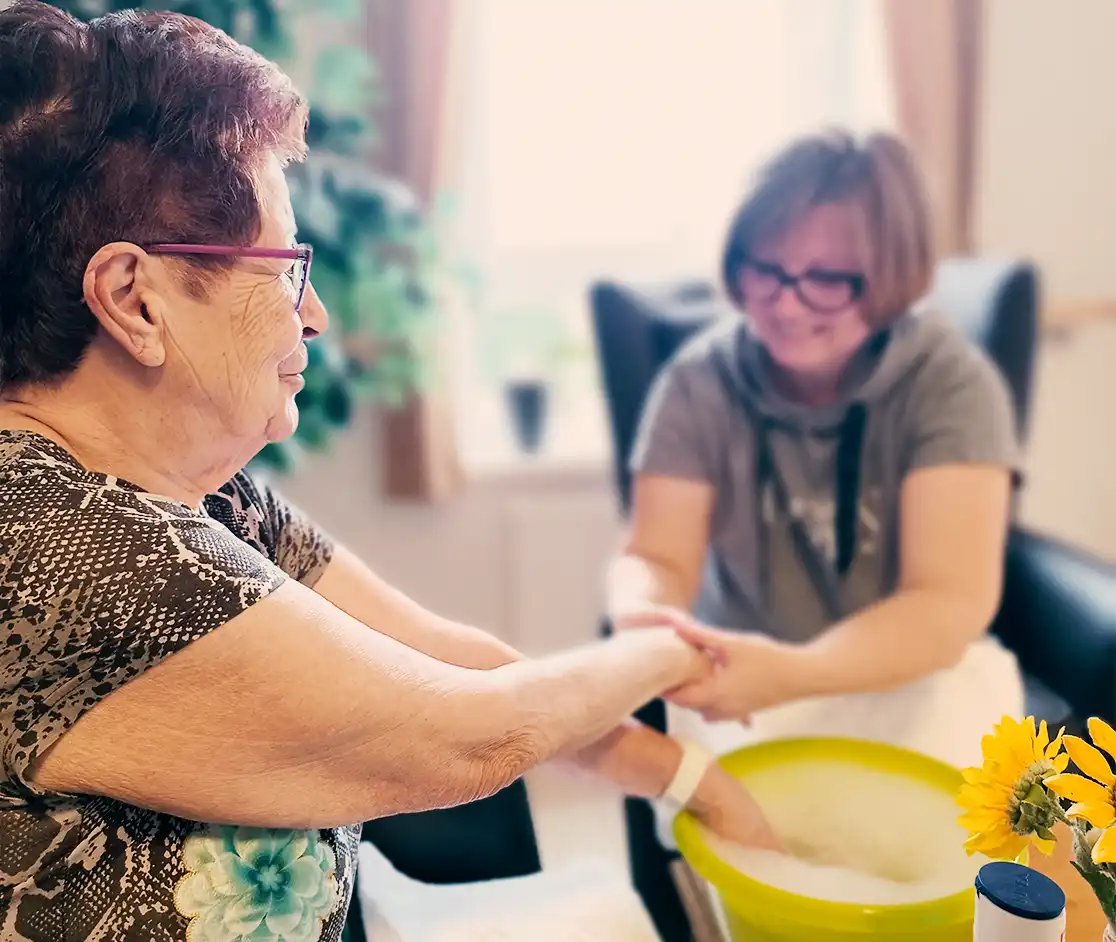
756	912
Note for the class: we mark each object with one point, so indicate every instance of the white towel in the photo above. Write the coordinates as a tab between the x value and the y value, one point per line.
943	716
586	901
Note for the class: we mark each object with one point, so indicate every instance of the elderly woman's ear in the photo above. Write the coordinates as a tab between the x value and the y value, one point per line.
120	291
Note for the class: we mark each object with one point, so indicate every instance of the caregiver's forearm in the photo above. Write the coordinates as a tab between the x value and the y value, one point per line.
900	639
635	584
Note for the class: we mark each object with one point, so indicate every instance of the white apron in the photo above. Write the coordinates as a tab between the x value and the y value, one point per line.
943	716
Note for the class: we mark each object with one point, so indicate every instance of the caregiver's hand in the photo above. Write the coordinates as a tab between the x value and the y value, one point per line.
728	809
752	673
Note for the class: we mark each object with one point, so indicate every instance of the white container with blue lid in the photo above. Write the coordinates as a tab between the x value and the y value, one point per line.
1017	904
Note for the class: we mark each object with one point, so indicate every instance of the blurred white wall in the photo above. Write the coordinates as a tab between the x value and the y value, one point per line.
1048	191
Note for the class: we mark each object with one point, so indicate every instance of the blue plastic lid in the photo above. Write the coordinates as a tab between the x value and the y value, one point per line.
1021	891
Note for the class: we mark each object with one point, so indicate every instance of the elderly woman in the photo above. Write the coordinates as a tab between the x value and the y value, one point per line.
826	481
199	693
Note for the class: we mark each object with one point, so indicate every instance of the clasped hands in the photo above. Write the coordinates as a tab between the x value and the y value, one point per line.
750	672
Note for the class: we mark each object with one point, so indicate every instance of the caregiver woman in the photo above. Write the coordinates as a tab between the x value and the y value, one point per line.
827	480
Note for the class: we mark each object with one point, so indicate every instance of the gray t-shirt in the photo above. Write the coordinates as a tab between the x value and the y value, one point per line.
928	397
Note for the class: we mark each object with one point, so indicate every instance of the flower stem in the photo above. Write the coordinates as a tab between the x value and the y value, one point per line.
1099	879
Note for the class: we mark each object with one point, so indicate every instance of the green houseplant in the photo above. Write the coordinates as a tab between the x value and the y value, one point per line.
376	251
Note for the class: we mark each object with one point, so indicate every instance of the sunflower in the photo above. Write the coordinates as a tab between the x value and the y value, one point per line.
1093	796
1006	806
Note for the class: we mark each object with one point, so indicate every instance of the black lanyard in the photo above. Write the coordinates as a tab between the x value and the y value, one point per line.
846	494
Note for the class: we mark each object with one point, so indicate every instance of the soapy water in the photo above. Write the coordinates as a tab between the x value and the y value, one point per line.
855	835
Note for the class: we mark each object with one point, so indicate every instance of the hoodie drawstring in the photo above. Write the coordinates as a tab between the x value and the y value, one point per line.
846	497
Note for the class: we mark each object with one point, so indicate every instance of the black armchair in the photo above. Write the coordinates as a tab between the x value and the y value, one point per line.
1058	612
490	839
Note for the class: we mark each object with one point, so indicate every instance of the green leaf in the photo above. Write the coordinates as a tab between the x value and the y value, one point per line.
279	456
339	9
337	404
344	80
313	430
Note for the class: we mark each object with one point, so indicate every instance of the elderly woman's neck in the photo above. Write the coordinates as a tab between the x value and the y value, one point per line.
108	435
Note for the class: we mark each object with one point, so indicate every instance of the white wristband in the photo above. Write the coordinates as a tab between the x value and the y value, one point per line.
691	770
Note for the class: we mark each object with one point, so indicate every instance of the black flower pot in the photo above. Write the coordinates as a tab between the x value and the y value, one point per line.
527	403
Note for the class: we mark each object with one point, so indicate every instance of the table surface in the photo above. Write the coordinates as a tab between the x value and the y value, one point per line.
1084	919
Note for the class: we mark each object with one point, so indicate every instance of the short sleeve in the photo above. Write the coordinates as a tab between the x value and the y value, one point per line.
961	413
672	439
259	514
98	584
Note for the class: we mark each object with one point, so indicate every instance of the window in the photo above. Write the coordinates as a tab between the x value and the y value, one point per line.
614	138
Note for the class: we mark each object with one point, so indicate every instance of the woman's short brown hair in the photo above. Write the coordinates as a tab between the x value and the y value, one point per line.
881	178
135	127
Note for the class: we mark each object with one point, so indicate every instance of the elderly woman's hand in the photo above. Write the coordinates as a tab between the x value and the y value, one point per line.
726	807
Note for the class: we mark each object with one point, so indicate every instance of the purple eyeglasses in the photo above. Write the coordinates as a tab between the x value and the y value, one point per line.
301	256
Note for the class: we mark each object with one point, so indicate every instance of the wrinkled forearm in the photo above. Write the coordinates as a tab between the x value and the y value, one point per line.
634	757
575	698
470	733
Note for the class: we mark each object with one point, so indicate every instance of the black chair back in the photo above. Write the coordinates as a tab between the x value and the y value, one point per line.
637	331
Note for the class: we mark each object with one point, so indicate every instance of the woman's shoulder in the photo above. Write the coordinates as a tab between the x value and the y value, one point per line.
41	484
699	364
54	510
942	353
24	453
952	404
715	342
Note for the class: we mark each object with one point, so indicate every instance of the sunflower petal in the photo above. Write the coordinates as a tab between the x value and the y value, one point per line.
1089	760
1044	847
980	819
1003	846
1042	739
1022	743
1103	735
1099	816
1056	745
1078	788
1104	851
1061	762
977	796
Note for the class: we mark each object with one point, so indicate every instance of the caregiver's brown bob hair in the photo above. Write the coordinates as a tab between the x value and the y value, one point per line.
880	177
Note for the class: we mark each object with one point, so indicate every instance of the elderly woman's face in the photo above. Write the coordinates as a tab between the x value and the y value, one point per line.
814	327
237	357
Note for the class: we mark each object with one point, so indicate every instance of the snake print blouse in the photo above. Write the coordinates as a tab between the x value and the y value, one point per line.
100	581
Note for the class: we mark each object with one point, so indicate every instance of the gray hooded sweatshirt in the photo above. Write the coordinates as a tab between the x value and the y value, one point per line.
805	523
